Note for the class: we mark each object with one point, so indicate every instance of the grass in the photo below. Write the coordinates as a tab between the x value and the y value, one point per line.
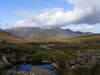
47	49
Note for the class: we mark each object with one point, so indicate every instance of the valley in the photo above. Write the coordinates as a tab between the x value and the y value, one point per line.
84	51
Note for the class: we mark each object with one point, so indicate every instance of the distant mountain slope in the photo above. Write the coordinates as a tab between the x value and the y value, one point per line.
87	38
6	35
43	34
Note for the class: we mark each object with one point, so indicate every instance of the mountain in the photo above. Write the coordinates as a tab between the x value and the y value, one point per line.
6	35
43	34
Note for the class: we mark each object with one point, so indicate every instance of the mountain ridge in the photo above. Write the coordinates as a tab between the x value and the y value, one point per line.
32	33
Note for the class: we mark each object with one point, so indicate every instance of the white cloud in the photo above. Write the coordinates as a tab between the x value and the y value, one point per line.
90	27
90	10
85	11
80	27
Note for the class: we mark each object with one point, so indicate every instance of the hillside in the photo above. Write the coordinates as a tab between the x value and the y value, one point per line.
5	35
87	38
89	42
35	53
43	34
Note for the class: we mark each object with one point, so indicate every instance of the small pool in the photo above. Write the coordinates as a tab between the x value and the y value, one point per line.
28	67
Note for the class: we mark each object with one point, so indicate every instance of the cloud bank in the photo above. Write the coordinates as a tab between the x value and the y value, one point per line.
82	27
84	11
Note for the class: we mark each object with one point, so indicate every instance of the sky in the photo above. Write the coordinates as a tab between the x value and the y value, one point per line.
77	15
